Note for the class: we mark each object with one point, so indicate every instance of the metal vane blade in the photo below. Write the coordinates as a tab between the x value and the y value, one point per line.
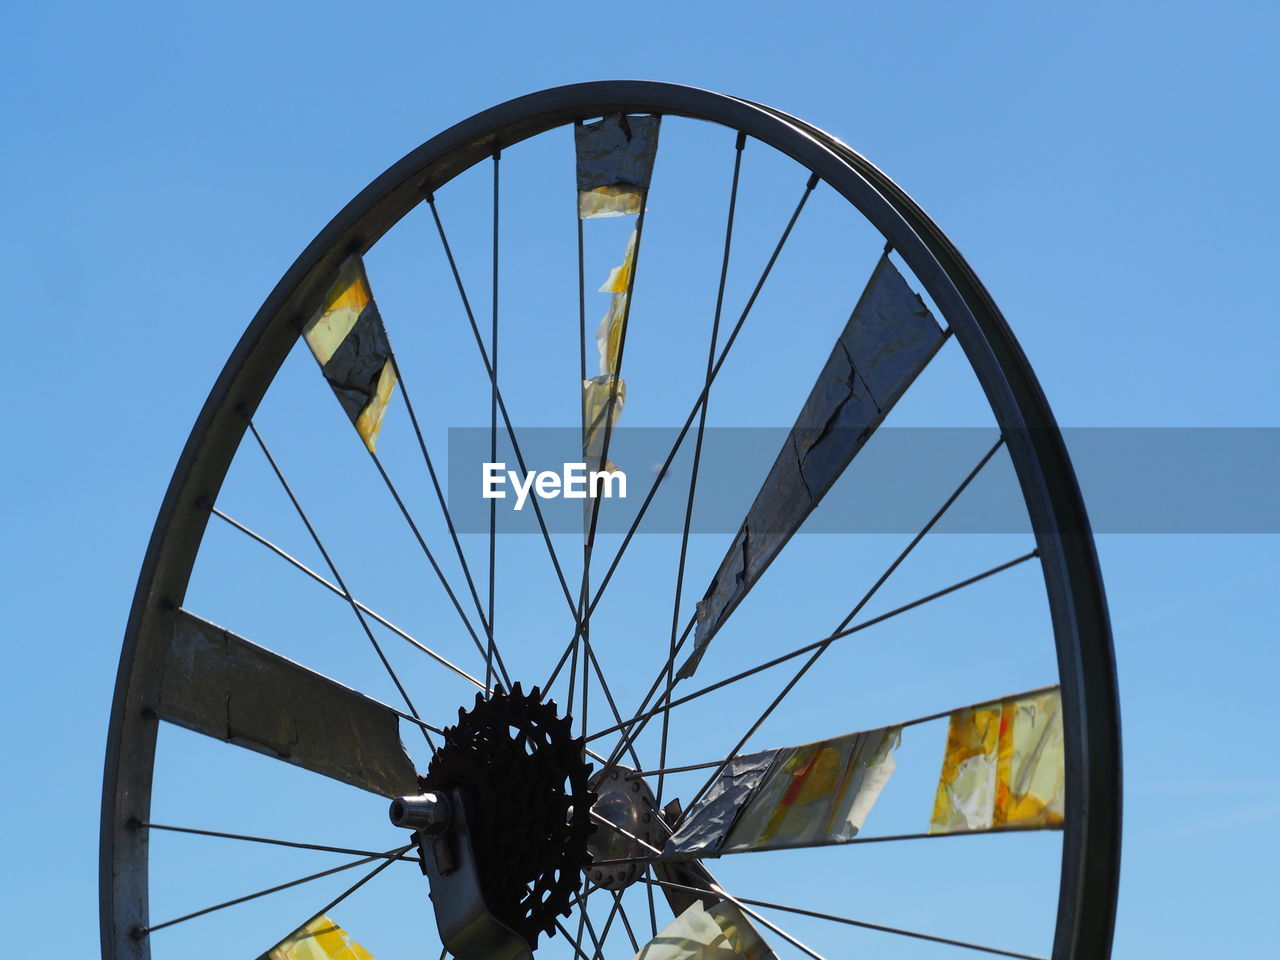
888	340
318	939
349	341
1003	769
226	687
812	795
722	930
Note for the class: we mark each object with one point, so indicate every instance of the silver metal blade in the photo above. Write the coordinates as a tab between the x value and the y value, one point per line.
226	687
889	339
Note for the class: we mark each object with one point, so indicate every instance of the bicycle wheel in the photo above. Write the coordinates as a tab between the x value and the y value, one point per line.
1042	764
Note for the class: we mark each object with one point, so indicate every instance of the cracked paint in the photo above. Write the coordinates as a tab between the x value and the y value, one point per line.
890	337
225	687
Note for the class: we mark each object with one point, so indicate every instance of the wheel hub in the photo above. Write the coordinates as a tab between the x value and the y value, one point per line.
623	801
524	781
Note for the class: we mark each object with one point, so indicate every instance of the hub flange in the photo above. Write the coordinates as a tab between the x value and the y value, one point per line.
623	800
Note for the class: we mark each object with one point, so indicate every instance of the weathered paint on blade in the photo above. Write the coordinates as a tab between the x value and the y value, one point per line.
1003	767
349	341
595	406
813	795
219	684
703	831
615	161
342	306
889	339
609	332
817	794
318	939
719	933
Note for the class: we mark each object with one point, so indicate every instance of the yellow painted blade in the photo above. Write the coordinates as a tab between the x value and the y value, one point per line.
817	794
720	933
1003	767
812	795
349	341
318	939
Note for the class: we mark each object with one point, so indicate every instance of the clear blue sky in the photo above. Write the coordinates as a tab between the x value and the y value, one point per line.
1108	170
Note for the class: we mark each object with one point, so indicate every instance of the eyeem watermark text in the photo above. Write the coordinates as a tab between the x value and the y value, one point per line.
573	482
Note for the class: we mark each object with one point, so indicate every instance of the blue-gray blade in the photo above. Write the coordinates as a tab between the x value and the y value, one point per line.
889	339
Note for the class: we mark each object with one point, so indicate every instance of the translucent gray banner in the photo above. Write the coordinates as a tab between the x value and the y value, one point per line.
1134	480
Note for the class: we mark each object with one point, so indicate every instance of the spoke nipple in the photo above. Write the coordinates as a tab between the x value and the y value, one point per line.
138	932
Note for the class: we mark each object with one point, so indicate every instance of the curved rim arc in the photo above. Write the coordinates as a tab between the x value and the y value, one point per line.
1070	564
1073	581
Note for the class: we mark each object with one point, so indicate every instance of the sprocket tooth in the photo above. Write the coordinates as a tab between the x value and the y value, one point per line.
525	783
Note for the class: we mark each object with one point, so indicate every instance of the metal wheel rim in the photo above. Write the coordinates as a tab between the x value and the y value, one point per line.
1073	581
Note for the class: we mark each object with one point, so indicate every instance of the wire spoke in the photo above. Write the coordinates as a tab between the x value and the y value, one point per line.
448	519
337	590
352	889
927	718
640	774
569	938
604	687
600	818
604	931
768	923
364	624
610	404
279	843
860	923
448	516
626	922
653	913
582	616
582	921
684	430
404	510
886	838
866	598
144	931
493	435
697	457
653	688
502	406
808	648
